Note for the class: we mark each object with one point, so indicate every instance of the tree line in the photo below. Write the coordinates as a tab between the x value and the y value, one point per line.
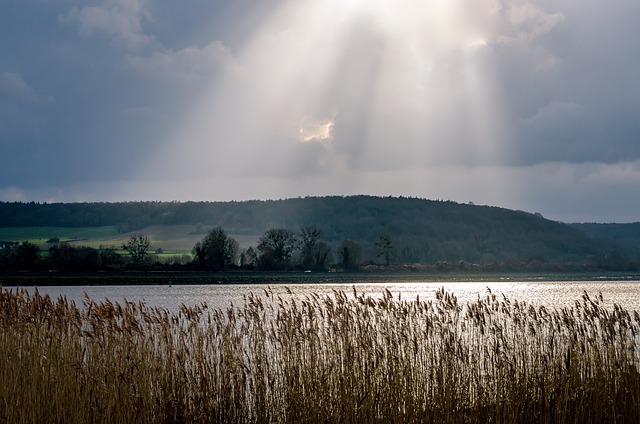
279	249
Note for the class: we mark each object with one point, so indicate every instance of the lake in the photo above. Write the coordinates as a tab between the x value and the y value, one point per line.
554	294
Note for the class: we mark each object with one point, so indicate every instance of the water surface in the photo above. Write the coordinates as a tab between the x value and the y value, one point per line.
548	293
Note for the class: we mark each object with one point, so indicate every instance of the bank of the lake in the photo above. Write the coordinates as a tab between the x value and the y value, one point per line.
26	279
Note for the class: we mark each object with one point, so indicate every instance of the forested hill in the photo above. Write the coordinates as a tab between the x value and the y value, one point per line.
625	236
422	230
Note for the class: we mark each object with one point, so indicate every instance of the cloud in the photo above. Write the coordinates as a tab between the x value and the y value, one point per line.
561	131
526	22
189	65
14	88
12	194
583	192
624	175
316	130
22	115
120	20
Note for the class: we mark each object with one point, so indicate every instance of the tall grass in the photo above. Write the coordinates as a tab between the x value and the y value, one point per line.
340	358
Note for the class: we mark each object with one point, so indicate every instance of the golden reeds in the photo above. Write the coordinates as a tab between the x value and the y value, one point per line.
340	358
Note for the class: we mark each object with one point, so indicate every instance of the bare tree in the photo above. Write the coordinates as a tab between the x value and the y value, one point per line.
309	239
276	248
385	245
349	255
138	247
321	256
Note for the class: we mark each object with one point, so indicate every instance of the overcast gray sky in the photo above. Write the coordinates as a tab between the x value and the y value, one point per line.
531	105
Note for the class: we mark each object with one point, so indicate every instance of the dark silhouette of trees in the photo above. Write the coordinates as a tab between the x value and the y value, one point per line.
200	255
321	256
309	238
65	257
314	253
91	259
110	258
27	255
349	253
276	248
233	247
249	258
138	247
216	251
6	255
385	246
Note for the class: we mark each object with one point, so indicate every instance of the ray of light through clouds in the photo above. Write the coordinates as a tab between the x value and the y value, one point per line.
529	105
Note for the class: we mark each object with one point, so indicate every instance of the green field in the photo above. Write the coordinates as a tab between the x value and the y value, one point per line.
40	235
172	239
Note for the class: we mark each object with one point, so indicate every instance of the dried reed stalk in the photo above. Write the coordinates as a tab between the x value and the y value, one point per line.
340	358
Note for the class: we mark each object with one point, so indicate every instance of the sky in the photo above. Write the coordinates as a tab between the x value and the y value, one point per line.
529	105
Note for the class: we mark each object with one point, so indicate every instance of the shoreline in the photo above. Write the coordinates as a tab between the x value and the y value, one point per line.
17	279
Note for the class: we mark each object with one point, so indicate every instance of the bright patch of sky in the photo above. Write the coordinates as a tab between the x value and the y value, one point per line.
525	104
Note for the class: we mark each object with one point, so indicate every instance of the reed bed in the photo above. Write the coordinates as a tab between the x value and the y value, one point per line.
342	358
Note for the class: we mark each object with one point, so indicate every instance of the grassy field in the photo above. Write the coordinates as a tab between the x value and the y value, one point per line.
341	358
173	239
40	235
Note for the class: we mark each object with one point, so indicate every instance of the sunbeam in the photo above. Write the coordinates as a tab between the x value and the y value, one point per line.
338	87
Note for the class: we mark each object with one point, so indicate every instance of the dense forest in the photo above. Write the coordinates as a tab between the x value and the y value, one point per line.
625	236
418	231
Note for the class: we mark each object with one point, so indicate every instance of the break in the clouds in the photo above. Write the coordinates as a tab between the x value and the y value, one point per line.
530	105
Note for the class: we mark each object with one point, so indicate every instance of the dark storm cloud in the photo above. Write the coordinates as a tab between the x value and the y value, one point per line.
575	97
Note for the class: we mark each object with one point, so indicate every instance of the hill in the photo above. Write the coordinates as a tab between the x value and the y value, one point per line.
422	231
625	237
